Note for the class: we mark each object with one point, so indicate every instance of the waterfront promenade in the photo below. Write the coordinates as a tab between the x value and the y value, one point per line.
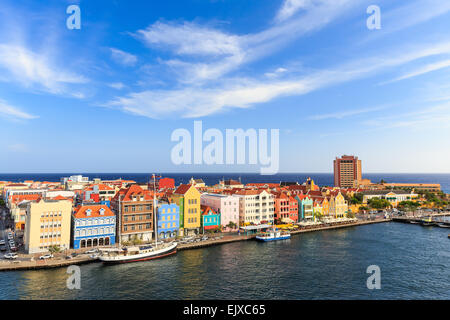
57	262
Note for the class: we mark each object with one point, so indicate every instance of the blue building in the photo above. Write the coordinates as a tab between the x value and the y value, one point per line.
168	220
93	225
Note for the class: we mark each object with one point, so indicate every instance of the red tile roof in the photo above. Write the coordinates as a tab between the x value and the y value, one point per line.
95	211
182	189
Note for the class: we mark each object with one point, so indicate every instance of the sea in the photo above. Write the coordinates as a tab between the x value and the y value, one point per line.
412	262
322	179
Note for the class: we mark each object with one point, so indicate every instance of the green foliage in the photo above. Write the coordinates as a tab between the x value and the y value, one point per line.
408	205
363	208
377	203
357	199
2	203
54	249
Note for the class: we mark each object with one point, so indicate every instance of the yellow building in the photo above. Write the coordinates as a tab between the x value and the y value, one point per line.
325	207
338	206
47	223
188	199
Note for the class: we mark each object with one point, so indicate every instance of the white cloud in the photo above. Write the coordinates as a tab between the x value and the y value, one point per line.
196	101
422	70
11	112
117	85
344	114
122	57
32	69
290	7
18	147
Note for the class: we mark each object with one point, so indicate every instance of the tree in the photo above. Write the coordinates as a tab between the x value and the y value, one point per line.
54	249
357	199
377	203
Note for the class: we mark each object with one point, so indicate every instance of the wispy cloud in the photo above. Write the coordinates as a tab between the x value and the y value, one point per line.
123	58
32	69
345	114
11	112
117	85
422	70
194	101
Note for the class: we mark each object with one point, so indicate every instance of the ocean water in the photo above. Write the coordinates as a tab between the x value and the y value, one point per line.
322	179
332	264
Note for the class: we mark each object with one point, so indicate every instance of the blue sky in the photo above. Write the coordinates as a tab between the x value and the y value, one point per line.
107	97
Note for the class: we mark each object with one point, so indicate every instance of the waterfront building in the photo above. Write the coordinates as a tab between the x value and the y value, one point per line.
168	220
16	190
134	208
255	207
338	206
210	219
93	225
347	172
393	196
285	208
47	224
226	205
305	207
188	199
317	207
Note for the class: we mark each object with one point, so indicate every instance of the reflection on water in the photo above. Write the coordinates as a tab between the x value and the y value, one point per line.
331	264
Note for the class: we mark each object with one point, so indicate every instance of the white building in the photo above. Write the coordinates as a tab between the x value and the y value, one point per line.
255	206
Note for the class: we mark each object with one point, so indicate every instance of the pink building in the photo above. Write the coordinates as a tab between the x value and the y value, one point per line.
226	205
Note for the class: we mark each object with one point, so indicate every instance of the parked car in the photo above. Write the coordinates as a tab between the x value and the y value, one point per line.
10	256
46	256
10	236
2	242
91	251
3	248
13	248
74	254
68	257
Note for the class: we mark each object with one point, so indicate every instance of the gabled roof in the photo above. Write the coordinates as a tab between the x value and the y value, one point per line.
81	212
183	188
206	209
131	191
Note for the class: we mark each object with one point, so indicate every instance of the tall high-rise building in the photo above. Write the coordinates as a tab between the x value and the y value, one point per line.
347	172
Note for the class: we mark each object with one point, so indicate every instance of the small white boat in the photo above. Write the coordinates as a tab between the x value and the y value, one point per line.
137	253
273	235
443	225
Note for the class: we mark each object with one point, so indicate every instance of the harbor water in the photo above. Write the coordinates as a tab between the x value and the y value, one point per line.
414	263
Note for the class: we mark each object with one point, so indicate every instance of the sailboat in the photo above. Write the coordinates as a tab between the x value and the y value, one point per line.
139	253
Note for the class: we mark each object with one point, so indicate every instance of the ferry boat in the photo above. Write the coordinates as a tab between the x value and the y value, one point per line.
137	253
427	222
273	235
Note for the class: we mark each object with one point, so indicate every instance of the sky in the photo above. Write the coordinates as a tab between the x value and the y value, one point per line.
108	96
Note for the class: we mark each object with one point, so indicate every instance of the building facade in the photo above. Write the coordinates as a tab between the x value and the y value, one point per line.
347	172
210	219
188	199
255	207
134	208
168	220
93	225
47	223
227	206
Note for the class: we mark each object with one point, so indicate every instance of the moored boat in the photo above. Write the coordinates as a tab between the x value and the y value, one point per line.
428	222
443	225
137	253
273	235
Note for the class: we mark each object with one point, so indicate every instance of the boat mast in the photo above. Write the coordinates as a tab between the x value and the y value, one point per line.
155	222
120	220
